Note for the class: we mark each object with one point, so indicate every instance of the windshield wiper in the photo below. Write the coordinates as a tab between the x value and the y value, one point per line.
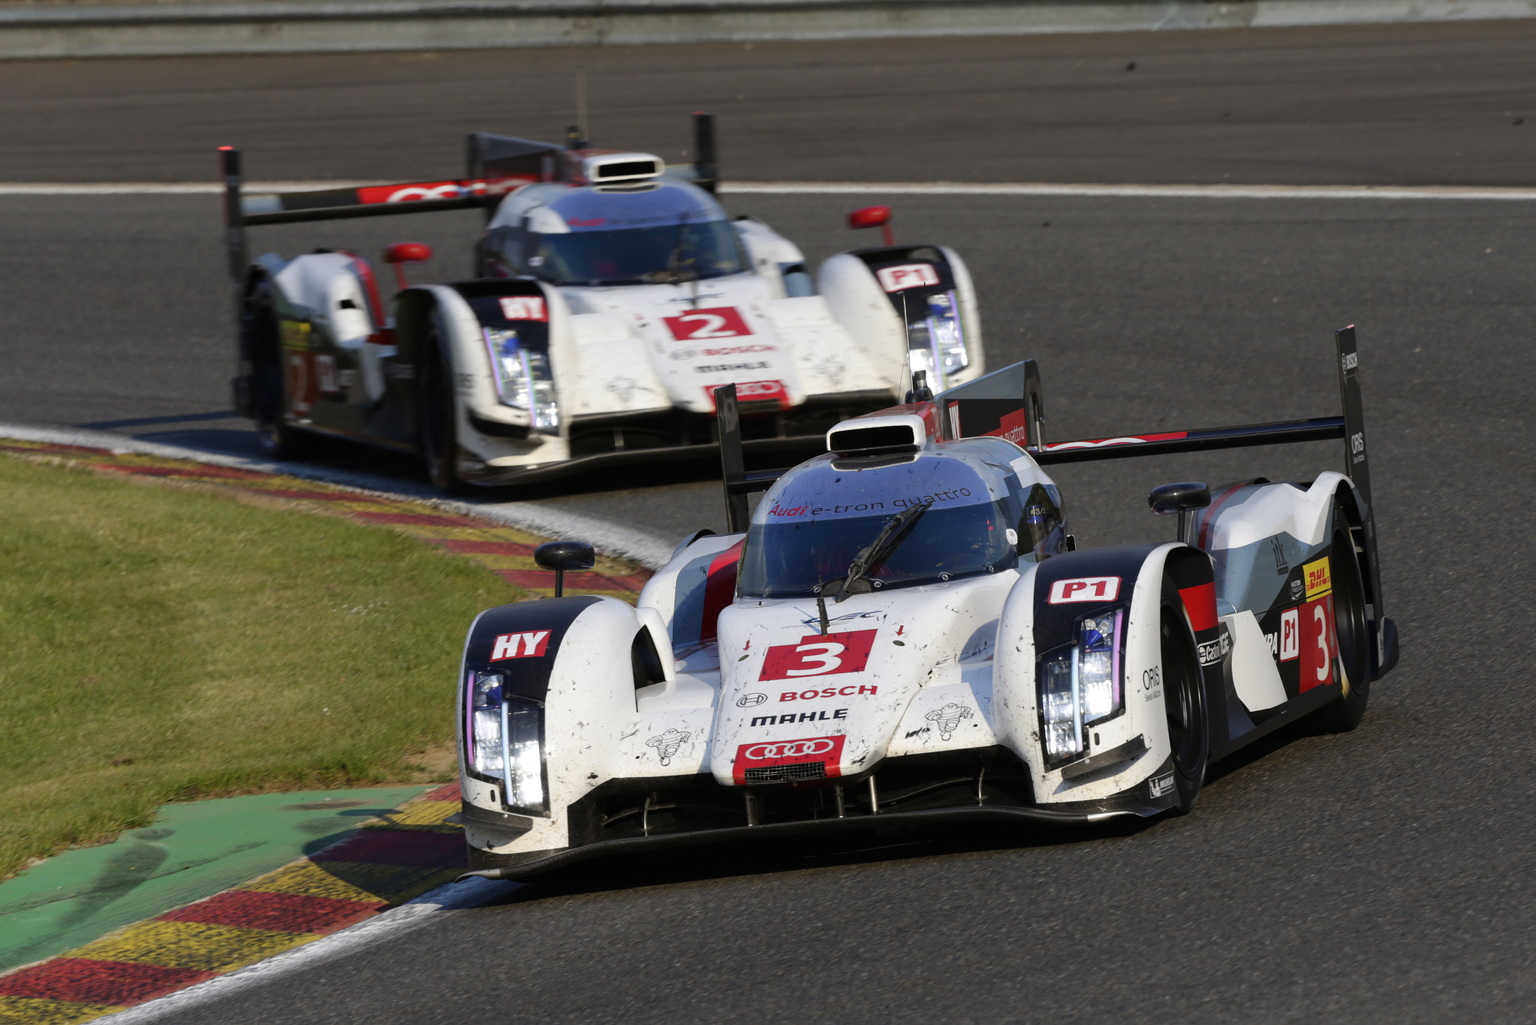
890	537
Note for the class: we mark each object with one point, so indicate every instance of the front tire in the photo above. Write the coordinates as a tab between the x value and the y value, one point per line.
439	416
1352	662
1183	703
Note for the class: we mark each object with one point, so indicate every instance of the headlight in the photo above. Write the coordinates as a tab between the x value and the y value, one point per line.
506	742
936	339
522	378
1080	685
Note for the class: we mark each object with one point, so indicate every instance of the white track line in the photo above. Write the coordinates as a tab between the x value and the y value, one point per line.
1385	192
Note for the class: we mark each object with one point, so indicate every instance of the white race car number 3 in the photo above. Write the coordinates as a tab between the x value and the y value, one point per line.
819	655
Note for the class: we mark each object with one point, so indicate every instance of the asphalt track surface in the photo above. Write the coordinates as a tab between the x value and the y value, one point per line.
1381	875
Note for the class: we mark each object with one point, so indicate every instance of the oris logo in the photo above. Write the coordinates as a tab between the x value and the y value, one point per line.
789	749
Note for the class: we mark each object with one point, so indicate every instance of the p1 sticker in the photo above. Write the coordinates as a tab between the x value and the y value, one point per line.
702	325
523	307
1290	635
819	655
1077	589
908	275
520	645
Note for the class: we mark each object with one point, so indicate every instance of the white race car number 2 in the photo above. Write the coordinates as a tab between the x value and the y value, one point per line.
705	325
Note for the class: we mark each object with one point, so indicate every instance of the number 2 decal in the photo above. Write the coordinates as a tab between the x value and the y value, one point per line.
816	655
705	325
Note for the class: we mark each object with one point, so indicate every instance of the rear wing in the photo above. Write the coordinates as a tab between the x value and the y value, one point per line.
1008	403
1349	427
494	166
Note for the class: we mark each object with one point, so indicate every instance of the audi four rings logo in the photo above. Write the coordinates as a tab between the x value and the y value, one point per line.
790	749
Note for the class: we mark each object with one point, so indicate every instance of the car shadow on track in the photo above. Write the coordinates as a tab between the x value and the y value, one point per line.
338	460
756	858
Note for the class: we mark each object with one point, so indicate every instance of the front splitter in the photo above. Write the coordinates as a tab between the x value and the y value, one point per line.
904	821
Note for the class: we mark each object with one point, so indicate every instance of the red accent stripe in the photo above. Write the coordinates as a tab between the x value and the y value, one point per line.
719	588
1200	603
1204	539
419	520
212	472
538	579
279	912
391	847
82	980
484	547
323	496
446	792
364	272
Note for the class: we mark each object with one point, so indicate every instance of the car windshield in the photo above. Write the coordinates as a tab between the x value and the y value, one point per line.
656	253
790	558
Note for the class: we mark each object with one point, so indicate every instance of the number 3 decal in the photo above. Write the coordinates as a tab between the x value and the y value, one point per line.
827	659
1321	644
819	656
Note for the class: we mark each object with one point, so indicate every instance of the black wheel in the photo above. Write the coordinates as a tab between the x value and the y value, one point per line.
274	437
1183	702
1352	663
439	437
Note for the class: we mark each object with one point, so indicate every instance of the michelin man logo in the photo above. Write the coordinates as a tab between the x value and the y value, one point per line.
666	744
947	718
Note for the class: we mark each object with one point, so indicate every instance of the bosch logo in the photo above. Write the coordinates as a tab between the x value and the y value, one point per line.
751	700
790	749
739	350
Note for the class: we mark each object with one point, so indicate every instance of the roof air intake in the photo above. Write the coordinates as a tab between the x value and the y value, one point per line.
902	432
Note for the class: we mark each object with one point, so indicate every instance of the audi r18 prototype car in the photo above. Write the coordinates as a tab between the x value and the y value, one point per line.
610	301
904	631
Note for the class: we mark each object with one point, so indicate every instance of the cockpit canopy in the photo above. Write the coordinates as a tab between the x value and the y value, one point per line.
815	521
649	232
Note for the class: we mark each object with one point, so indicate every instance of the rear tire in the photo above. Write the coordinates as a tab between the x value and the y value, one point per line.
1183	702
439	415
1352	663
269	400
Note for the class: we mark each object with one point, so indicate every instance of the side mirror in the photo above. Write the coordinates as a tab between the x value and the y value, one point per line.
873	217
1183	498
563	555
402	253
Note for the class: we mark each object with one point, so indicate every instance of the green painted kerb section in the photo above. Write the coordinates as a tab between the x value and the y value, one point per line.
191	851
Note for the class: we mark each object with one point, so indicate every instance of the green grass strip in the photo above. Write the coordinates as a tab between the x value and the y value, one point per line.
161	644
